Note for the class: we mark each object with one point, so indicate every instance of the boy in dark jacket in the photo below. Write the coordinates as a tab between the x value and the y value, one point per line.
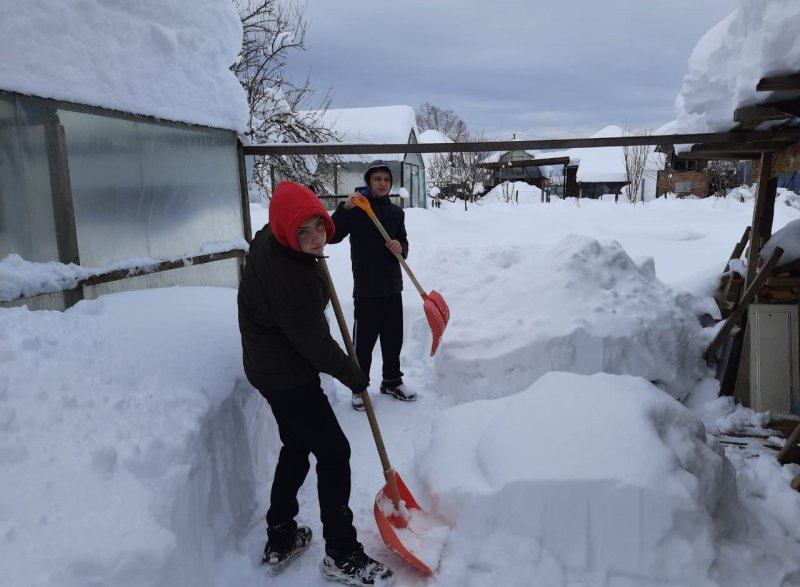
377	280
286	343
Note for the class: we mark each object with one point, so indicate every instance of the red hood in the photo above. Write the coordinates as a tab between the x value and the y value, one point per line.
291	205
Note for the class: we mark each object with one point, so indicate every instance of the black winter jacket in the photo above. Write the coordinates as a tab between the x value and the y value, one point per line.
286	338
376	271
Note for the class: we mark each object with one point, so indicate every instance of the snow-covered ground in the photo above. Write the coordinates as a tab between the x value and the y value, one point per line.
547	434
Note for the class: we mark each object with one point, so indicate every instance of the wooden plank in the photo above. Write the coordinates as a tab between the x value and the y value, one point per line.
527	162
789	81
739	311
787	446
774	110
785	135
740	246
719	155
757	235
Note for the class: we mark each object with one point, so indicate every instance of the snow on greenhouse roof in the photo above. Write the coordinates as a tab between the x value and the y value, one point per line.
169	60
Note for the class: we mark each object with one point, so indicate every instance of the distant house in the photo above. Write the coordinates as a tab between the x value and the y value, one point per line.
592	173
682	177
377	125
511	166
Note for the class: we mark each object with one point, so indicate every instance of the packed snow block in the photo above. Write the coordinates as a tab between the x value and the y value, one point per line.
587	307
129	455
600	479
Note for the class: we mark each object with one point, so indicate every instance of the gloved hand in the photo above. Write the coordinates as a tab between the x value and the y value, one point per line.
349	204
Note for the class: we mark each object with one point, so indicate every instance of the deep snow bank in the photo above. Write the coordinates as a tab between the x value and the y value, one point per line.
638	499
120	439
614	316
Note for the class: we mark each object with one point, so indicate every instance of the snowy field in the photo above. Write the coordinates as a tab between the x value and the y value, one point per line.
548	433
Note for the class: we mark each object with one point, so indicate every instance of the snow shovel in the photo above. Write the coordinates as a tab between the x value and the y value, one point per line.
436	310
401	502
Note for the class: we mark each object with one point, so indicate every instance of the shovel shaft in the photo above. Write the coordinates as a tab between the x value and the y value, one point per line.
402	261
388	472
363	203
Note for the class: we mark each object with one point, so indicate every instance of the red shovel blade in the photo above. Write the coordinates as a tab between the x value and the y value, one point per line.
438	315
390	521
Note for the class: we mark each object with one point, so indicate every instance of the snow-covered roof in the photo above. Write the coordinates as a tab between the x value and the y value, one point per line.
431	136
598	164
497	155
170	59
377	125
756	40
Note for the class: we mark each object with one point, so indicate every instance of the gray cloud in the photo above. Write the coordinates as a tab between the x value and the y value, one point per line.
537	69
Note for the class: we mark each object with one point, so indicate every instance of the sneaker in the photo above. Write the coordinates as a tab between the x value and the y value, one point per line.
358	403
278	554
356	568
398	391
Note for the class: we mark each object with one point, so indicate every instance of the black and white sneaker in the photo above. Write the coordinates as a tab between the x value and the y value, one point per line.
398	390
358	403
279	553
357	569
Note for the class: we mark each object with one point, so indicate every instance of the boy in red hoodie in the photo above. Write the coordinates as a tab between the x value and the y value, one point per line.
286	343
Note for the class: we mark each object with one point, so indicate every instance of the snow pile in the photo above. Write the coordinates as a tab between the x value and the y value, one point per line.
113	458
657	336
165	59
576	511
513	192
133	453
758	39
787	238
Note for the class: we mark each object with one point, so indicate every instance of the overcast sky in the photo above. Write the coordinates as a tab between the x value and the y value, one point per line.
534	68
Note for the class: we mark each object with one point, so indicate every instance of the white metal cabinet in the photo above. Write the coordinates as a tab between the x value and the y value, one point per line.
774	357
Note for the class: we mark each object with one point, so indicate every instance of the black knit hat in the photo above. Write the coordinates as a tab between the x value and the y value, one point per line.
374	166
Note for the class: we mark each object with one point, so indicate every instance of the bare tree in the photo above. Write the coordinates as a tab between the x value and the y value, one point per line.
447	122
723	176
280	110
635	164
457	175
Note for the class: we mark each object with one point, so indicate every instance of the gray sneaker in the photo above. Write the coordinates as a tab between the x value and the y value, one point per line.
279	553
358	403
398	391
357	569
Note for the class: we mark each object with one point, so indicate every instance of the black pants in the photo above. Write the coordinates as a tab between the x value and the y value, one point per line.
380	317
307	425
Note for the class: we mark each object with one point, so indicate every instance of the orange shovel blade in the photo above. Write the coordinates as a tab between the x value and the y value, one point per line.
438	315
389	525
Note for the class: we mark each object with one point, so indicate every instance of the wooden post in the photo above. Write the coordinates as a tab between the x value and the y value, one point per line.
762	210
243	192
748	296
790	442
66	229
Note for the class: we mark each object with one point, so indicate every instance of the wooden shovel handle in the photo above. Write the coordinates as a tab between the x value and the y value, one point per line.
388	472
363	203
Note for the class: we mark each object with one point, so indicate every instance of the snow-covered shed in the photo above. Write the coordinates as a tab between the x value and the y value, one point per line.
378	125
591	173
513	166
119	131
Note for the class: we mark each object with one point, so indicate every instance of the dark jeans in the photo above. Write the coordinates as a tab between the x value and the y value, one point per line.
380	317
307	425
